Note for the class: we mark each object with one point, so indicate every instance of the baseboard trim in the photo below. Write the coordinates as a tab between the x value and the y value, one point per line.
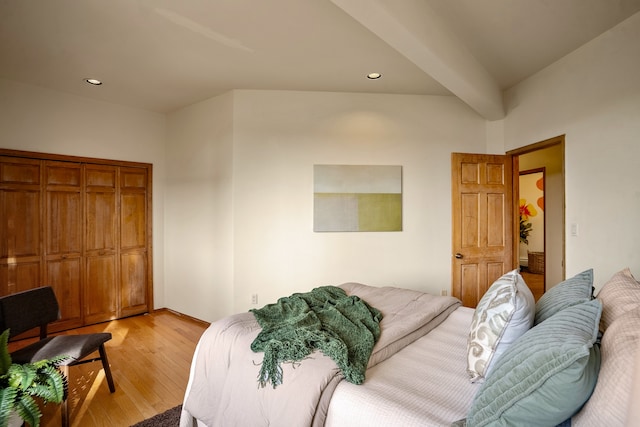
184	316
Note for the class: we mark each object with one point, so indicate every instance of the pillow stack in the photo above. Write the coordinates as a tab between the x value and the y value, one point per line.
545	375
620	322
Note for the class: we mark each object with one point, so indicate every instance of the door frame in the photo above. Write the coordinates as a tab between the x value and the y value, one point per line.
514	154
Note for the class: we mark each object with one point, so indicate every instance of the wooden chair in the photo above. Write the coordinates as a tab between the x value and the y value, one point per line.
38	307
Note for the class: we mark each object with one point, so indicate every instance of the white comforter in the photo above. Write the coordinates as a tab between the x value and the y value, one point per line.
425	384
223	388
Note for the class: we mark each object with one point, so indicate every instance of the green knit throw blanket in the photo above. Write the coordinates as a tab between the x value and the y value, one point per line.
343	327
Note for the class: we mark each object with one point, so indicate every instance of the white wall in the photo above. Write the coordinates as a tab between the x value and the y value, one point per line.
592	96
36	119
199	209
263	155
278	138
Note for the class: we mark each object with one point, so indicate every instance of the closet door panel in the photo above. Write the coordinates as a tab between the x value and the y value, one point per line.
100	303
64	276
64	248
133	283
64	223
133	241
133	255
20	225
20	276
133	221
101	222
20	250
101	243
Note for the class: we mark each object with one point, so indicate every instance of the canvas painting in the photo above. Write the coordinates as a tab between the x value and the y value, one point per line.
357	198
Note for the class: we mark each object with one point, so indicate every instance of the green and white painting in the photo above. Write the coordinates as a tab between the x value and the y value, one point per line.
357	198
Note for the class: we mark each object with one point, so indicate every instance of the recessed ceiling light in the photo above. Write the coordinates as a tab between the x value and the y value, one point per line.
374	76
94	82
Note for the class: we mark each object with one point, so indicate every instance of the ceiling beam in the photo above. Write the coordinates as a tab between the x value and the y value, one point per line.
413	29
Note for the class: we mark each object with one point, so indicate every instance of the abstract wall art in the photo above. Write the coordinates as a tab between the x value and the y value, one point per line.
357	198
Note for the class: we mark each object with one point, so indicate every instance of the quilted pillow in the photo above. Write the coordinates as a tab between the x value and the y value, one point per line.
575	290
619	295
545	376
504	313
611	397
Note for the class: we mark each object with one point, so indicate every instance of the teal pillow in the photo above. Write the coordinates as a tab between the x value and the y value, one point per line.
545	376
575	290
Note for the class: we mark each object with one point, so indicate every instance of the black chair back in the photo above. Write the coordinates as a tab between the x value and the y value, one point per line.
29	309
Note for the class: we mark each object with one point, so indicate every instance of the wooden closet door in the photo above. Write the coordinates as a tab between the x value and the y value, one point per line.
101	243
82	226
134	226
20	225
63	237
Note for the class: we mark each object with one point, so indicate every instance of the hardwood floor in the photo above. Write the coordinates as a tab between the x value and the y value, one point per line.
535	283
150	356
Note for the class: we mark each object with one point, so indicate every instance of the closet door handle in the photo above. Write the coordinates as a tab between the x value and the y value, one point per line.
458	255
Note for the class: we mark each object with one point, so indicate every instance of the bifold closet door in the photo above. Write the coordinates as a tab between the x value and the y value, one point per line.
63	239
82	226
133	241
101	243
20	224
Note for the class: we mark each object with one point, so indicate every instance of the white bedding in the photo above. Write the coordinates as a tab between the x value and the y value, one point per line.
424	384
223	389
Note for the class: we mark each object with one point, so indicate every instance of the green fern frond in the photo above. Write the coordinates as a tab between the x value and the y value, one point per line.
55	361
50	385
28	410
21	376
7	397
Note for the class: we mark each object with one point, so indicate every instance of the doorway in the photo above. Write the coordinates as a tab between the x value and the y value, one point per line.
531	188
545	245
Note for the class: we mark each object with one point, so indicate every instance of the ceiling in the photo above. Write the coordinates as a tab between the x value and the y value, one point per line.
161	55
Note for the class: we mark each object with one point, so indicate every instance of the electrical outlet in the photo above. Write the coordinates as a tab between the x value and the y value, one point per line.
254	298
443	292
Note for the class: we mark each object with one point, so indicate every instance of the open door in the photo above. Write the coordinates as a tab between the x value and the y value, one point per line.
483	223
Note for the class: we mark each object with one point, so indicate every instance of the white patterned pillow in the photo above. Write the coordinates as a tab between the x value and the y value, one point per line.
504	313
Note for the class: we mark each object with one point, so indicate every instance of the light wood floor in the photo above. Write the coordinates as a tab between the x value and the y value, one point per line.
535	283
150	356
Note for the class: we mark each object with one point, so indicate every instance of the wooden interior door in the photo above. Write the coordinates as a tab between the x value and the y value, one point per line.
482	219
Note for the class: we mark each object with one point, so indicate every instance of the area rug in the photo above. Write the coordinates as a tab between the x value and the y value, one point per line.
169	418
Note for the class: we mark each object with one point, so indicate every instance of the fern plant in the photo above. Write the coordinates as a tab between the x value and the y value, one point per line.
21	383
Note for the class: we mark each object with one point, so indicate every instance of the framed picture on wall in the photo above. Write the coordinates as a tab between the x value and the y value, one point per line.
357	198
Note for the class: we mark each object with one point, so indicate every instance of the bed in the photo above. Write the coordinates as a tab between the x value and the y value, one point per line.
437	363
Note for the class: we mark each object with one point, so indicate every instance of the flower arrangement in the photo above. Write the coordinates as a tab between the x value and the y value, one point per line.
526	210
